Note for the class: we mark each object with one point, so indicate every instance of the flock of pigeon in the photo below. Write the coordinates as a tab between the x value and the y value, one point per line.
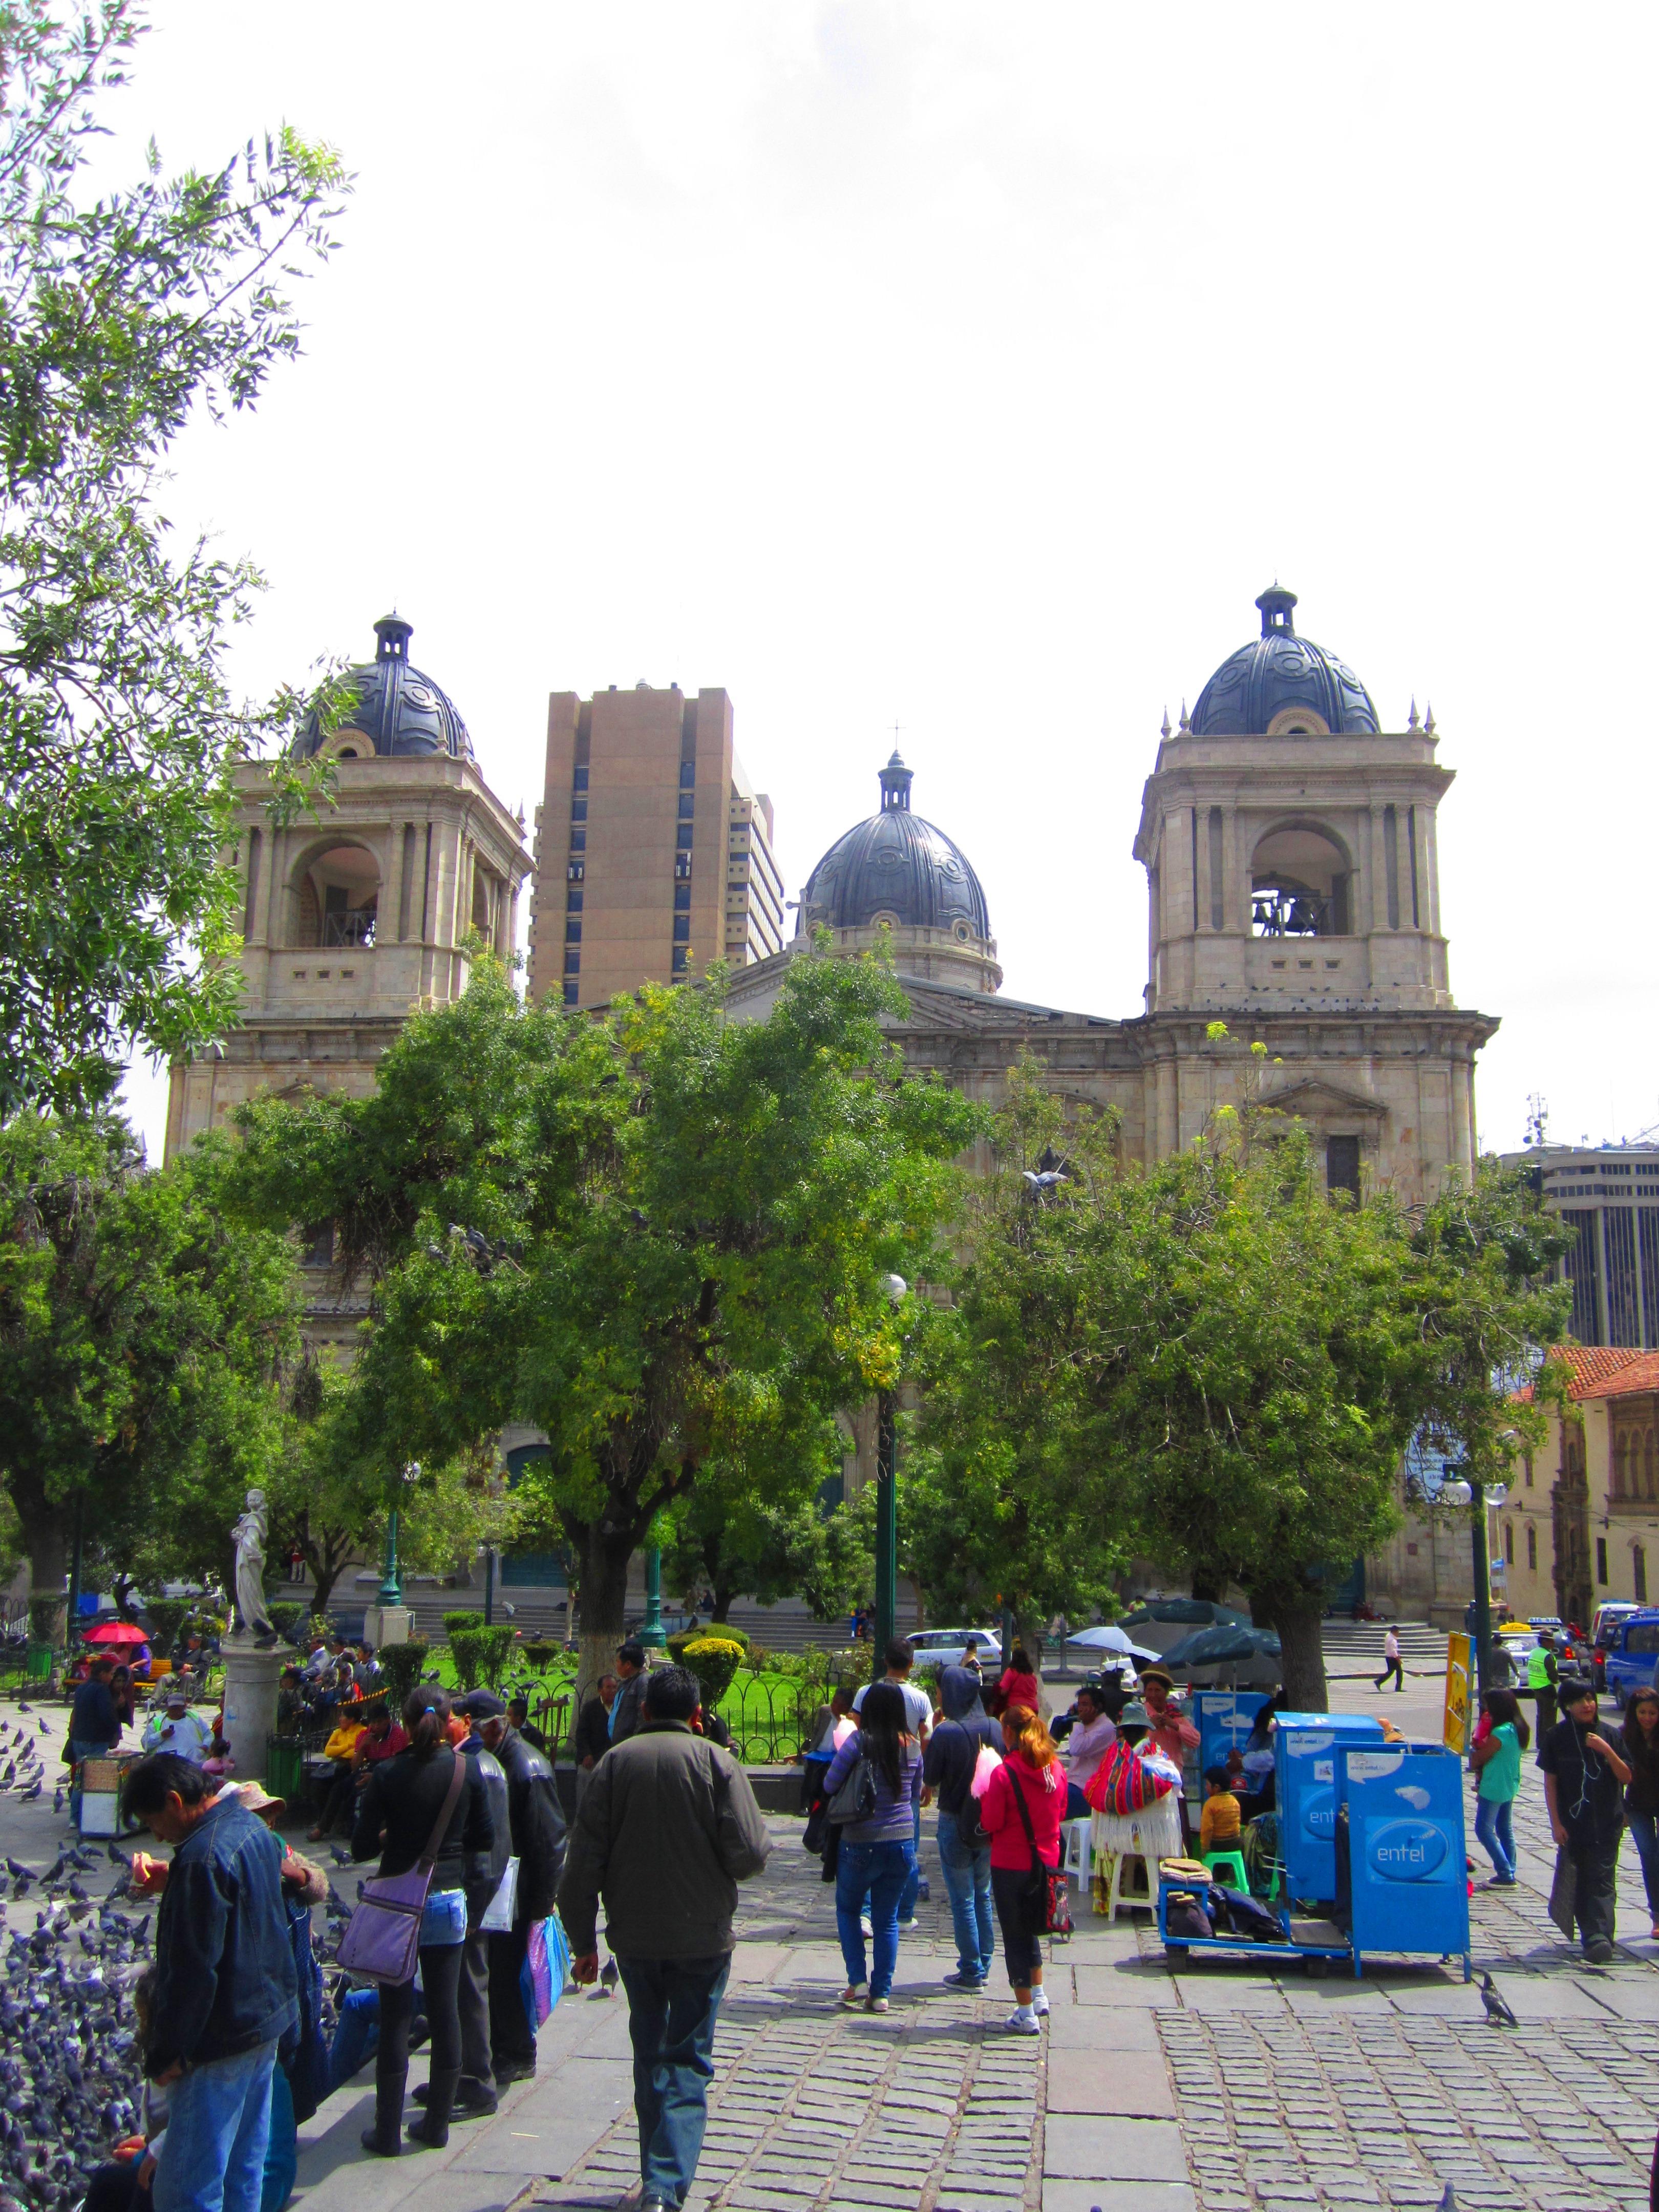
24	1773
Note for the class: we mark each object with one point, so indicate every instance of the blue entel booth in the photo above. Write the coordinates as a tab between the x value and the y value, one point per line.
1223	1719
1306	1746
1402	1880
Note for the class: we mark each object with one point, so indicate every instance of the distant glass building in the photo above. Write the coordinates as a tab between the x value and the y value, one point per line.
1610	1194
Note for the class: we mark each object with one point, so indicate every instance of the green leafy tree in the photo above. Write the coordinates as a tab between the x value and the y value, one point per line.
120	317
144	1343
732	1541
659	1237
1228	1366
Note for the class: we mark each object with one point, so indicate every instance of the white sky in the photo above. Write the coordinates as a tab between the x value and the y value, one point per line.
974	367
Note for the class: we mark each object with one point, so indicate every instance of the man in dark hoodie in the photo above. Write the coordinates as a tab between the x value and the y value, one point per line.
964	1851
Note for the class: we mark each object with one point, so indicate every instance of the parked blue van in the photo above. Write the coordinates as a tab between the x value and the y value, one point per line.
1633	1655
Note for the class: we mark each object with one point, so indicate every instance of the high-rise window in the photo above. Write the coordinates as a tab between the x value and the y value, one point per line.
680	953
1580	1264
572	991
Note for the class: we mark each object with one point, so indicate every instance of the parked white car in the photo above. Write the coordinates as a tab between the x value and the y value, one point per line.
943	1647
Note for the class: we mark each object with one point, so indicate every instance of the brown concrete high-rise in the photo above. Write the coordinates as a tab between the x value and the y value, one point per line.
653	855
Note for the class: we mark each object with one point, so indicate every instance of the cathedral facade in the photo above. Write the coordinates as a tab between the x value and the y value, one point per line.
1293	896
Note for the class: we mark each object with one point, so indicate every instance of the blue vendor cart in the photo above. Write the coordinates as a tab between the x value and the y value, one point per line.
1305	1751
1402	1880
1223	1719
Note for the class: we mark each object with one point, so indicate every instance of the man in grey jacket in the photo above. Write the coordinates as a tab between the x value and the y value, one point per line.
668	1828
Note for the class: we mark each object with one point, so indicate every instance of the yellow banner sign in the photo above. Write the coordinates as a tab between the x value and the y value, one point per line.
1460	1670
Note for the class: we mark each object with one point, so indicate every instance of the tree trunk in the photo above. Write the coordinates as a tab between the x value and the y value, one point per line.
606	1557
724	1593
1297	1617
48	1564
1209	1585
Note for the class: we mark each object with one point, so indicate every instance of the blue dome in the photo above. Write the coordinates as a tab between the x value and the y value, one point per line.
400	710
1277	670
894	866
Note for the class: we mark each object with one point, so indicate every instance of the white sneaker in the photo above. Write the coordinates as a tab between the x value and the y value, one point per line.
853	1996
1022	2021
906	1925
869	1932
1040	2004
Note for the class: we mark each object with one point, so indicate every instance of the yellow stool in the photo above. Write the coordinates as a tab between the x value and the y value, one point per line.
1216	1860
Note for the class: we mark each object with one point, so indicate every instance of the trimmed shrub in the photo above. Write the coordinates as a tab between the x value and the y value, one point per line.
403	1666
714	1661
542	1655
289	1620
167	1616
717	1629
480	1654
757	1659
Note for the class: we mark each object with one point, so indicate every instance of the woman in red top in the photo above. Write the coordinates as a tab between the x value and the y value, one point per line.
1019	1686
1032	1767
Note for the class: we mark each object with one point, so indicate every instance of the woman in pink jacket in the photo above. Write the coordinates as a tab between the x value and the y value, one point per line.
1019	1862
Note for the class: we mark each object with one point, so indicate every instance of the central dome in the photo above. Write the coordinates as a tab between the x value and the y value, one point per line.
1281	683
398	707
896	868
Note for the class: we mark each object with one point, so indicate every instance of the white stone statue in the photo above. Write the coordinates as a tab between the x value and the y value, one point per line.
249	1536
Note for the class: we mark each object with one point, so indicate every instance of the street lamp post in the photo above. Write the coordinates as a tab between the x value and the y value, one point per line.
1468	1490
391	1591
887	1502
652	1634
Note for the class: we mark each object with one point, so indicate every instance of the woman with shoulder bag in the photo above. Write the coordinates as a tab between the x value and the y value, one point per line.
1638	1739
1025	1833
429	1802
876	1853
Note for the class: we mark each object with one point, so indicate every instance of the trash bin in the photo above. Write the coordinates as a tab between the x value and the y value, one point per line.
285	1767
1407	1881
1223	1719
37	1666
1304	1752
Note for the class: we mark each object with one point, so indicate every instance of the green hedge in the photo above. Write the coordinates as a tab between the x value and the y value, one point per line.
403	1666
677	1641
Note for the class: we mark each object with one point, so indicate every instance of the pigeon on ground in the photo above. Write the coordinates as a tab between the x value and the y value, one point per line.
45	1730
115	1856
58	1799
1497	2011
609	1978
22	1872
1449	2199
30	1795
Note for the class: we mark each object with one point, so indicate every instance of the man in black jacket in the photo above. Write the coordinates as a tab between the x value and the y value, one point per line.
537	1821
627	1707
225	1987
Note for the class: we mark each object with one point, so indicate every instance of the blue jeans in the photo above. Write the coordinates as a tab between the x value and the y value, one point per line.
885	1873
672	2005
1493	1831
1644	1834
906	1910
968	1885
218	2129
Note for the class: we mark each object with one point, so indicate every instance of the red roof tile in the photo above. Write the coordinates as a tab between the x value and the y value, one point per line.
1593	1366
1638	1371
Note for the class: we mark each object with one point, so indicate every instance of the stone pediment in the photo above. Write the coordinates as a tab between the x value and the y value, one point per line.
1314	1095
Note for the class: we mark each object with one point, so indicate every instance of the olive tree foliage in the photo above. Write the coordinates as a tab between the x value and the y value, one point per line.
659	1237
121	316
147	1343
1219	1366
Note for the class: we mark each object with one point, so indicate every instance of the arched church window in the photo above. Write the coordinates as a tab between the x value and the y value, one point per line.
1299	883
337	899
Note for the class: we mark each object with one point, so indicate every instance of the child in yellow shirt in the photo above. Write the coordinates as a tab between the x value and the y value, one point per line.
1219	1829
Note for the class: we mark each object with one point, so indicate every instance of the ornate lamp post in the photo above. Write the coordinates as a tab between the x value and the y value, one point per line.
391	1591
652	1632
1468	1490
887	1500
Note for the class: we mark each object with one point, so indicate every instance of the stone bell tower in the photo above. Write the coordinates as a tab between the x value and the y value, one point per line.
358	914
1289	841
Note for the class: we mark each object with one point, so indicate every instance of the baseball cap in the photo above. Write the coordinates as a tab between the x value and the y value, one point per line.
481	1706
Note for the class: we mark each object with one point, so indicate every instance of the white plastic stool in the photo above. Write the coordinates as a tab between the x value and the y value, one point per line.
1119	1894
1078	1835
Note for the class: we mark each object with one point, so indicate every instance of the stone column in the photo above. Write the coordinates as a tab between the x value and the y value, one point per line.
251	1678
387	1624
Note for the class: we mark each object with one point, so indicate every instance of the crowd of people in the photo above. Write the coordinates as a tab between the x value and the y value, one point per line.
461	1798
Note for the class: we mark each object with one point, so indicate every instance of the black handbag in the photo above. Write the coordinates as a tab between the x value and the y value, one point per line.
856	1800
1049	1890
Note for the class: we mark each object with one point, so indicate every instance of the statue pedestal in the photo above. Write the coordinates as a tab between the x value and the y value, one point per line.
387	1624
250	1680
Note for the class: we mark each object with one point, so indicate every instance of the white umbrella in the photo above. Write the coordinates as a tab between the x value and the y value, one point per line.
1108	1639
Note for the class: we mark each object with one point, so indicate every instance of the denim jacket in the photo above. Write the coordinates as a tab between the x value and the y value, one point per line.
224	1971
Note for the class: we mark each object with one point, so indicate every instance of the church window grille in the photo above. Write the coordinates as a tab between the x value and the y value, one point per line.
1532	1545
406	887
1638	1570
1342	1165
1509	1541
1601	1561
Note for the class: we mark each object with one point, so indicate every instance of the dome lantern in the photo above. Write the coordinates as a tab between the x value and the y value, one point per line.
396	707
1281	685
896	782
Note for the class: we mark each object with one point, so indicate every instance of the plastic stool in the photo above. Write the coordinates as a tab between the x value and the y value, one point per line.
1120	1895
1077	1835
1235	1860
